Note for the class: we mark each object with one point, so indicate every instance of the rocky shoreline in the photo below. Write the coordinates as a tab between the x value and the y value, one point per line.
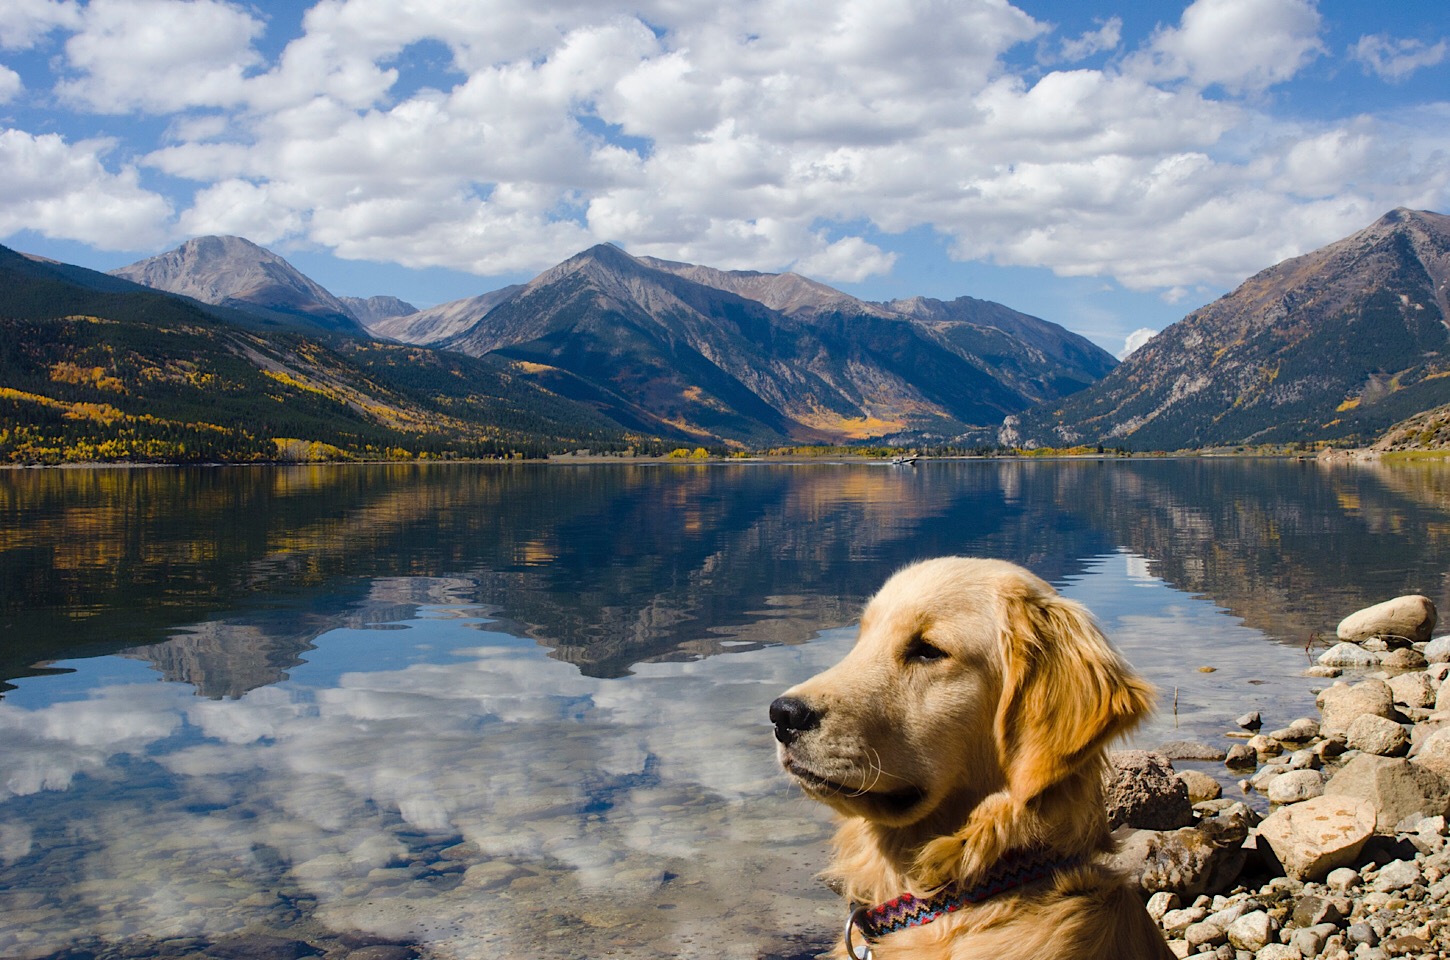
1339	848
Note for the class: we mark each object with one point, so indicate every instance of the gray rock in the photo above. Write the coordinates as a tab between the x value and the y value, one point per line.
1295	786
1397	875
1267	774
1189	750
1412	617
1340	704
1311	838
1342	879
1253	931
1309	941
1394	787
1348	655
1252	720
1379	736
1438	650
1143	791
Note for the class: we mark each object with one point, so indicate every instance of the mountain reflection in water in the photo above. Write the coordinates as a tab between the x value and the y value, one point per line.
519	710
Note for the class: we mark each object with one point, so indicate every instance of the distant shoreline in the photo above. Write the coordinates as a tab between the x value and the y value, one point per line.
1359	455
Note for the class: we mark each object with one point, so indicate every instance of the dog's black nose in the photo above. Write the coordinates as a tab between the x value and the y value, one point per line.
792	717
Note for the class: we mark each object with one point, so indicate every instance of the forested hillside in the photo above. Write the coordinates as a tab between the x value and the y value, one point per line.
96	369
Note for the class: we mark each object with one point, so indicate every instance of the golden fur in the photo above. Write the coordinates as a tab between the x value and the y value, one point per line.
971	718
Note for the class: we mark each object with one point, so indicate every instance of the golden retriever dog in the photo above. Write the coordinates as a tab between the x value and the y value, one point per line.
963	743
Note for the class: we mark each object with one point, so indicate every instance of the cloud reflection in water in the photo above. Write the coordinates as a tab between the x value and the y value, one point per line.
485	799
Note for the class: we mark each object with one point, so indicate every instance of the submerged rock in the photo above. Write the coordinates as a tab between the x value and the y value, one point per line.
1348	655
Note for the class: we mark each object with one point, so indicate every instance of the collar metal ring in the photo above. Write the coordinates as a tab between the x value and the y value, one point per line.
853	923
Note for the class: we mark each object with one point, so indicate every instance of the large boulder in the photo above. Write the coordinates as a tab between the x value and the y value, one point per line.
1395	787
1311	838
1188	861
1413	690
1434	754
1410	617
1143	791
1377	735
1342	703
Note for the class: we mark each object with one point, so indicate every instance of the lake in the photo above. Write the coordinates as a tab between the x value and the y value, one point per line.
519	710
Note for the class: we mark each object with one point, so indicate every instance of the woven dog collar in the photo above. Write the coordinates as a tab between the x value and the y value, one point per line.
1017	868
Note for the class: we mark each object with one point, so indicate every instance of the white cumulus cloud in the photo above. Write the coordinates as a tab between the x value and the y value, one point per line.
65	190
765	134
1241	45
23	22
159	55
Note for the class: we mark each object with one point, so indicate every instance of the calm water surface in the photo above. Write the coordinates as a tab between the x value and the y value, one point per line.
519	711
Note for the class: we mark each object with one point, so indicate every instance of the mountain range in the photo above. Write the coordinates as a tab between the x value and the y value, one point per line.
228	344
94	367
1331	347
688	352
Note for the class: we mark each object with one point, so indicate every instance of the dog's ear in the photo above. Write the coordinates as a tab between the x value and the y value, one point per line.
1066	693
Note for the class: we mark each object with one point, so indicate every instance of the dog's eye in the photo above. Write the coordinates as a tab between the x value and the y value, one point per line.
920	651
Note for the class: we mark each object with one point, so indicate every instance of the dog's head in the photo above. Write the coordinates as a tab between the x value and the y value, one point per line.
970	677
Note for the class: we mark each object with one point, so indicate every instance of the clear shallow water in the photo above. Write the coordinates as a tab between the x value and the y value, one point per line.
520	712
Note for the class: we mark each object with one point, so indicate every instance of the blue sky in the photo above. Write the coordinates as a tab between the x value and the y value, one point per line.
1105	165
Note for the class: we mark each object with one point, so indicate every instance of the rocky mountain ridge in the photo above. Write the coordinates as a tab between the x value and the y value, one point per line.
375	311
1332	346
234	272
677	349
745	357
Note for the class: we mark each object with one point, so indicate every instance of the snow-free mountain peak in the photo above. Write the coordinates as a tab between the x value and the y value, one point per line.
234	272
